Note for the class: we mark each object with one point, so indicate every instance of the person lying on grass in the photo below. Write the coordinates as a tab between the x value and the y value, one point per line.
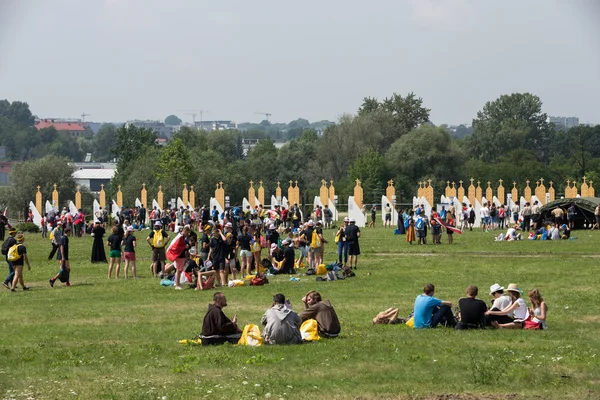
389	317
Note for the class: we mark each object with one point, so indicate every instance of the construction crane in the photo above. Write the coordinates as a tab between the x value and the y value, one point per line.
265	114
194	113
83	115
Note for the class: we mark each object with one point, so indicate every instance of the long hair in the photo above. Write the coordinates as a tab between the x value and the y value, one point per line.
536	297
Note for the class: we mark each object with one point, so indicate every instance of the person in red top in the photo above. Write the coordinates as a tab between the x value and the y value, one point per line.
436	229
284	216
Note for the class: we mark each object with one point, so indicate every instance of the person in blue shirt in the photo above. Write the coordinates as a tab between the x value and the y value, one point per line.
429	311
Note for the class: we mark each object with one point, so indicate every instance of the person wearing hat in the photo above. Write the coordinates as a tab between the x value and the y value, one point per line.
272	237
55	237
129	244
352	235
518	309
289	255
158	240
19	262
281	324
6	245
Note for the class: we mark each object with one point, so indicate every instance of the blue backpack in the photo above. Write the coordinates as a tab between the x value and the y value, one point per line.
420	224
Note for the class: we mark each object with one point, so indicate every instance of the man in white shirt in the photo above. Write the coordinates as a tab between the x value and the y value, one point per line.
485	217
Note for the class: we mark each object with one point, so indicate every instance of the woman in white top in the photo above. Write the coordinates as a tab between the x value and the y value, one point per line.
518	309
540	309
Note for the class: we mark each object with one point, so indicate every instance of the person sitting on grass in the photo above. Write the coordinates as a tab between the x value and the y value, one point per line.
287	258
472	310
518	308
216	327
429	311
282	325
501	302
540	309
322	311
63	255
566	234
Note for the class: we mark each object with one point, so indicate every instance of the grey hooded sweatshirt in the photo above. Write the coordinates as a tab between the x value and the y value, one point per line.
282	326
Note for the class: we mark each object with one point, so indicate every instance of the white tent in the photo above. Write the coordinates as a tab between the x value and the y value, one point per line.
355	212
37	218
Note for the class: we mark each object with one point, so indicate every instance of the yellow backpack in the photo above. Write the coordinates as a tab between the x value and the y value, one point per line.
158	240
315	241
13	253
52	235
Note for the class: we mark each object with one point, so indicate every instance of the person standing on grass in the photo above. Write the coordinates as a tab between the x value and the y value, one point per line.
20	253
527	217
63	259
114	243
450	222
388	216
245	242
409	224
158	239
429	311
8	243
373	216
343	243
98	253
420	228
217	253
129	244
353	235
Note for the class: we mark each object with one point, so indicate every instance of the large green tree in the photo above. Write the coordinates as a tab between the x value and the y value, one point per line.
45	172
174	167
172	120
131	142
511	122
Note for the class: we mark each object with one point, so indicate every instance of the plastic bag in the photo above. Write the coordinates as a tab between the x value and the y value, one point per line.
251	336
411	322
310	330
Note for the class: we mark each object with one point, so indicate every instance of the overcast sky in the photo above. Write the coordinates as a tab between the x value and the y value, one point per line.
145	59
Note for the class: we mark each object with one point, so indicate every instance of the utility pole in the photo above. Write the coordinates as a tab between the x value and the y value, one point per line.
265	114
83	115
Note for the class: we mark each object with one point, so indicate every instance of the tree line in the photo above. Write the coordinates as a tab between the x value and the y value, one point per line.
391	138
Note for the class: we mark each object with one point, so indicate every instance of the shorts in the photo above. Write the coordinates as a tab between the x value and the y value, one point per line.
245	253
203	256
486	220
436	230
159	254
535	217
388	217
129	256
230	263
304	251
219	265
115	254
420	233
353	249
179	264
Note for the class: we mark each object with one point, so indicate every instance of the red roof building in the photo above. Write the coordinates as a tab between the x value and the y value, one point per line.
73	128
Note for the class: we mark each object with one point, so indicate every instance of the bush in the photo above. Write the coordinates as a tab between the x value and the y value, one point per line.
27	227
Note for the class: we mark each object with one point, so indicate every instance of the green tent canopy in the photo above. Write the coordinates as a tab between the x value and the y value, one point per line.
584	206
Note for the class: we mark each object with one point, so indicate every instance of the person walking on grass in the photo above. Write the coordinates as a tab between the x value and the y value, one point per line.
114	243
8	243
64	272
55	236
17	254
388	216
129	245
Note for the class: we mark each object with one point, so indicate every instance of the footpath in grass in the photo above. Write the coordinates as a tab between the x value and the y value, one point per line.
111	339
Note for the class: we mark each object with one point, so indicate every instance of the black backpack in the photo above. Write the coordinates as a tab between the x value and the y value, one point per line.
472	213
7	245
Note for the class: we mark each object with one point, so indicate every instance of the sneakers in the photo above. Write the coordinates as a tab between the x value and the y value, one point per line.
178	288
25	288
6	285
51	282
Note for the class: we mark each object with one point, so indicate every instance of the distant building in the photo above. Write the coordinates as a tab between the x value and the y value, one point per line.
564	123
162	130
215	125
73	129
93	179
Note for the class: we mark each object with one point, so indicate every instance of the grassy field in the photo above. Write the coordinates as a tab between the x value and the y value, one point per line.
101	339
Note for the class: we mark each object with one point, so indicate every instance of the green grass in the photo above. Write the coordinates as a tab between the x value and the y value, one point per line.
102	339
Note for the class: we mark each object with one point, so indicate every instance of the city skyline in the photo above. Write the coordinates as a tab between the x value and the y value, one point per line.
120	60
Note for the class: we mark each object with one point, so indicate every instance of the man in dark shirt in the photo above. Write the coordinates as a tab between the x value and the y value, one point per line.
217	328
63	260
472	310
8	243
288	258
217	253
352	235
